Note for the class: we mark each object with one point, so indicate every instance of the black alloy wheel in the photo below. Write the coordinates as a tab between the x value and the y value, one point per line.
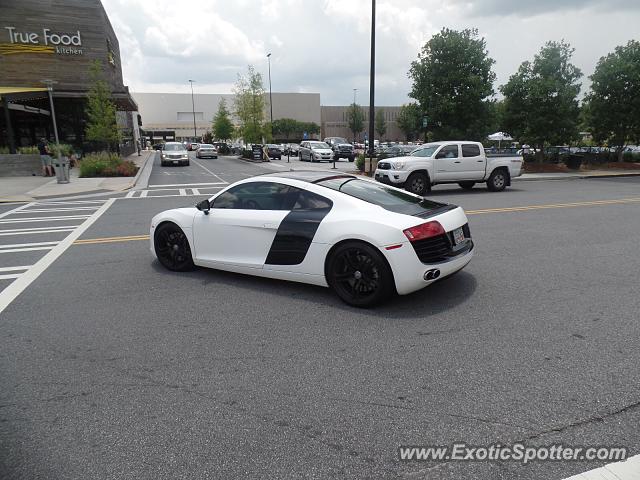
359	275
172	248
498	180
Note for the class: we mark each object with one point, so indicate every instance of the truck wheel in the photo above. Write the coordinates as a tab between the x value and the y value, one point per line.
497	181
418	183
351	159
467	185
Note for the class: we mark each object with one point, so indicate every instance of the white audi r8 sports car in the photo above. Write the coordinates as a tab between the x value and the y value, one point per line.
364	239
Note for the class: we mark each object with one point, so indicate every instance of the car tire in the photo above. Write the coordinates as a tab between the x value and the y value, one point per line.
466	185
172	248
351	159
359	274
162	164
418	184
497	180
187	163
215	157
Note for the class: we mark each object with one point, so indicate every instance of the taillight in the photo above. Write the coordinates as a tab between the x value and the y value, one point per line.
426	230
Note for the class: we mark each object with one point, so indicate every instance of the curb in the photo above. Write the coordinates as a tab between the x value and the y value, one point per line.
577	177
146	169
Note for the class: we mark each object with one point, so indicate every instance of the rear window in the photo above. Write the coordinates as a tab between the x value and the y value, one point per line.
470	150
379	194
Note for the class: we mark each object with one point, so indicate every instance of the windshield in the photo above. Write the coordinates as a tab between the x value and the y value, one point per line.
173	147
318	145
425	151
386	197
340	140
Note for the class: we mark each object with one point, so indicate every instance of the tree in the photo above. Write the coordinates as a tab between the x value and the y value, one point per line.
102	126
452	82
409	121
249	105
222	126
285	127
612	108
380	123
355	119
541	98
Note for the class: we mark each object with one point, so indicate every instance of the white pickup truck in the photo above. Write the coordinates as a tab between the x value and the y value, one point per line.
464	163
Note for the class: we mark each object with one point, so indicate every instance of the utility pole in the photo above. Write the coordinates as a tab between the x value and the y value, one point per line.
193	110
270	99
372	84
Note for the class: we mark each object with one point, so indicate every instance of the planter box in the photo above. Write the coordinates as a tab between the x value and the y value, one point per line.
20	165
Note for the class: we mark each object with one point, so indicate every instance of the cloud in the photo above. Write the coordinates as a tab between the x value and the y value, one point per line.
323	46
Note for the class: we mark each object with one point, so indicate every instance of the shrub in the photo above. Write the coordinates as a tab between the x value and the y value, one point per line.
247	153
4	150
66	150
360	162
104	164
29	150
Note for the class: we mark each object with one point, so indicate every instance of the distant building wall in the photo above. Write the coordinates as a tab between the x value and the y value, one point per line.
335	123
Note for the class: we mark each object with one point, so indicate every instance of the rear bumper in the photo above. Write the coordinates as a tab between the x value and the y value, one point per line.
409	272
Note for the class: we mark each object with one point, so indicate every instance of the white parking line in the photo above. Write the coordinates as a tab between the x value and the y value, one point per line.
187	185
10	276
34	244
627	470
5	233
195	191
69	202
10	293
15	210
13	269
209	171
46	219
130	194
45	210
28	249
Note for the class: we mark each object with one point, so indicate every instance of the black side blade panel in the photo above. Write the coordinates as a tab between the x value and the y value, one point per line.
294	236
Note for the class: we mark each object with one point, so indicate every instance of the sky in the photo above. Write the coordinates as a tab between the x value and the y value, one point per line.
322	46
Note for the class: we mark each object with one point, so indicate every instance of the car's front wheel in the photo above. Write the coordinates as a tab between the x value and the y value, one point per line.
172	248
359	274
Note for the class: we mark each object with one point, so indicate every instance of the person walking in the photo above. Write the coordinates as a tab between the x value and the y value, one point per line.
45	158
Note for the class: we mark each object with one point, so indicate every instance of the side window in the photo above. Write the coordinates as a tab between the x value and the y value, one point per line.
254	196
470	150
448	151
311	201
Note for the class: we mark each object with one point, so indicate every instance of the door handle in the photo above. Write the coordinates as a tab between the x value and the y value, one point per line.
480	161
270	225
457	161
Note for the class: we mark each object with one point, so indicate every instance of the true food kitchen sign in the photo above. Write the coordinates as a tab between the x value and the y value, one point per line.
46	41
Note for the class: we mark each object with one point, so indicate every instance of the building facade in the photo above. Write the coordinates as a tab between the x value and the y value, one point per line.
55	42
335	123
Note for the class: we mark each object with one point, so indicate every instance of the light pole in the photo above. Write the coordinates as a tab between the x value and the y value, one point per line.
193	110
354	107
372	83
270	99
49	83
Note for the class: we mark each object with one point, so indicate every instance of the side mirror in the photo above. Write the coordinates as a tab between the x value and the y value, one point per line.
204	206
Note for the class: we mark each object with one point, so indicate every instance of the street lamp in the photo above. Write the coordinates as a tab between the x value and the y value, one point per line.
372	83
354	106
270	99
193	110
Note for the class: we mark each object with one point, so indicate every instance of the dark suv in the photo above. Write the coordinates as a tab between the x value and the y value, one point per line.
341	148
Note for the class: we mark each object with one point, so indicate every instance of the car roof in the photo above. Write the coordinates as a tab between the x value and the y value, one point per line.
311	176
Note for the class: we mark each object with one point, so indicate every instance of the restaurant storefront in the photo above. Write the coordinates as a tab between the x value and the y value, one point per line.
52	44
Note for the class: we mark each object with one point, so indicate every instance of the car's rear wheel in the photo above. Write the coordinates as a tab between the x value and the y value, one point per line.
359	274
467	185
418	183
498	180
172	248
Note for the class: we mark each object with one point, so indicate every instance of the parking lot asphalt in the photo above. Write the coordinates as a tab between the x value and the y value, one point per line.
113	367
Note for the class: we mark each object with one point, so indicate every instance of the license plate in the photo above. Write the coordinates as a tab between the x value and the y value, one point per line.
175	161
458	236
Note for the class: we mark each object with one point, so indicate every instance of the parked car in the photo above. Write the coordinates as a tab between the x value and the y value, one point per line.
274	151
291	149
173	153
314	151
341	148
206	150
464	163
158	146
398	150
365	240
192	146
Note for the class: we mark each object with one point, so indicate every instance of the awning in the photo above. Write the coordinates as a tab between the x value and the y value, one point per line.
14	92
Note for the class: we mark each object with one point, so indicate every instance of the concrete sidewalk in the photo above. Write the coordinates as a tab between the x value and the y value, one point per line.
17	189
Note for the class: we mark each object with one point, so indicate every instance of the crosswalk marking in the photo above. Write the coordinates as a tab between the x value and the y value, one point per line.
46	219
186	191
13	269
19	245
10	276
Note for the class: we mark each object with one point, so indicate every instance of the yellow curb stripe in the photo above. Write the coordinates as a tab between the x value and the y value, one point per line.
553	205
